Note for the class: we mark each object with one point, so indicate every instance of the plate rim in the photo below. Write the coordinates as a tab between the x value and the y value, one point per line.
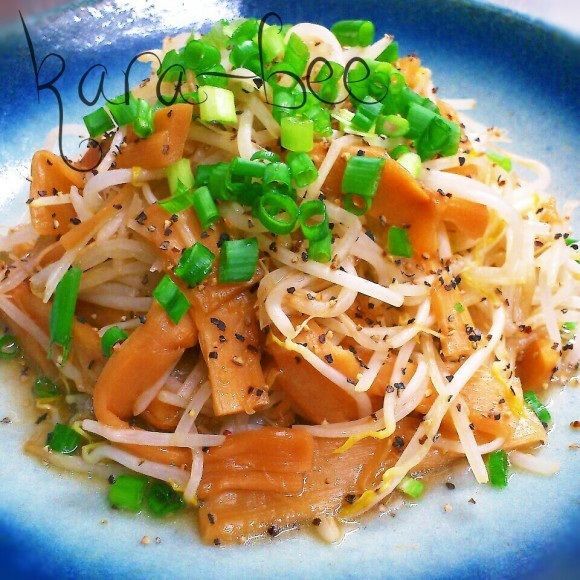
493	10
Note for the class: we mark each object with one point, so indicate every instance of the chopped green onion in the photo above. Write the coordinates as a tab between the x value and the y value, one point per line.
395	104
277	178
362	175
458	307
411	162
123	109
309	210
112	337
390	54
172	67
320	117
296	55
217	35
272	43
321	250
45	388
329	76
282	104
195	264
270	205
246	55
303	170
502	160
391	125
366	115
179	172
180	201
398	151
357	204
265	155
9	347
411	97
143	123
419	118
63	439
127	492
218	181
433	134
297	134
412	487
205	207
397	82
354	32
63	310
357	81
401	97
238	260
98	122
497	468
173	300
279	71
537	407
236	180
202	174
380	80
232	184
162	500
569	326
573	242
244	168
329	72
452	144
440	136
200	56
247	30
217	105
328	92
216	76
398	242
248	193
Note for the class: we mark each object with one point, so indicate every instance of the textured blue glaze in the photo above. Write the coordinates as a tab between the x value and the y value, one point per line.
524	76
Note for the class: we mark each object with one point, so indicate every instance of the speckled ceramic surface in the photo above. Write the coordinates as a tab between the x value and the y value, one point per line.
525	78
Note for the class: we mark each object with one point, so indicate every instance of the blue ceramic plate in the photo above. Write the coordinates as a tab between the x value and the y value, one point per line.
524	76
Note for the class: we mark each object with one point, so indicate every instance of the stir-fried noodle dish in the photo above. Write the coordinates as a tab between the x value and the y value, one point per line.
285	283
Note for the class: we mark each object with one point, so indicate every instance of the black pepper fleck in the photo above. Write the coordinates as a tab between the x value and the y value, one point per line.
221	325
